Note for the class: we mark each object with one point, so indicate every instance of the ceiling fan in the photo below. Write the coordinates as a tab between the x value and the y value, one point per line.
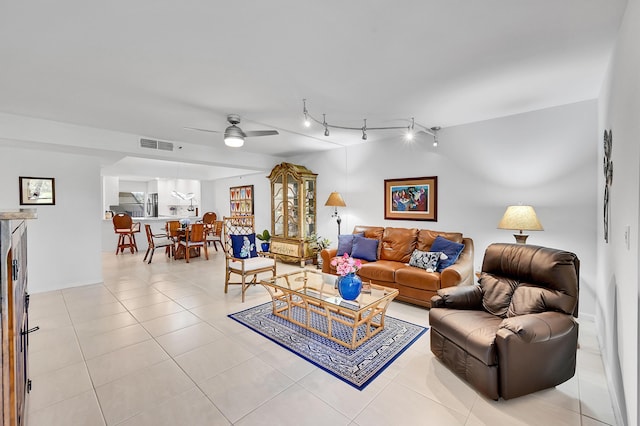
234	135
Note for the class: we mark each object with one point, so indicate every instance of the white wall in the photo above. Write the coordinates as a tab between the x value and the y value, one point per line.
618	293
64	242
545	158
261	197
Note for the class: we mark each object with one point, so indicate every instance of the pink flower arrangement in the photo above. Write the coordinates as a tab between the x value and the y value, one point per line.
346	265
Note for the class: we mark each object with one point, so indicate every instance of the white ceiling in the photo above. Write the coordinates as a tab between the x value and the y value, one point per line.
150	67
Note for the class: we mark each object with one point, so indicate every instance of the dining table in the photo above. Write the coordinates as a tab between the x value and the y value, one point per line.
176	235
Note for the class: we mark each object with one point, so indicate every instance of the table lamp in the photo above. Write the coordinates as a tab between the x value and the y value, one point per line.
335	200
521	218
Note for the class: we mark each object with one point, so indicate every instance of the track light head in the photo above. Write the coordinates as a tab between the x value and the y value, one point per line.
324	123
435	135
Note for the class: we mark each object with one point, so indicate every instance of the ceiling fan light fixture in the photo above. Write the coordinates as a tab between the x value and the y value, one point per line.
233	136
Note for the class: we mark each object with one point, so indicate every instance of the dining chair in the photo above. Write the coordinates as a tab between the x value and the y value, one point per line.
172	228
215	237
124	227
157	241
209	220
243	259
194	238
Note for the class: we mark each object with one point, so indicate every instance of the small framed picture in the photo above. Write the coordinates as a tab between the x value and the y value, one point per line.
411	198
37	190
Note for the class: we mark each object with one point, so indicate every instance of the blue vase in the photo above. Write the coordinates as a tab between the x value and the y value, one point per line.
265	247
349	286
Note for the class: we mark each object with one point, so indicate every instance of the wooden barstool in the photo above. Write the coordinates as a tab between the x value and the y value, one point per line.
123	226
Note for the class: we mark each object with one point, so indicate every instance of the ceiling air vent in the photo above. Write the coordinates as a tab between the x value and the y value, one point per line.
165	146
154	144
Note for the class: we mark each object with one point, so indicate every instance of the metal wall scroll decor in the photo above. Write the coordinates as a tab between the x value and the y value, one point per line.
608	179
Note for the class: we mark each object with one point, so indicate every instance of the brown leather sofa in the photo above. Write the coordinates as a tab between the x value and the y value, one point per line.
514	333
391	268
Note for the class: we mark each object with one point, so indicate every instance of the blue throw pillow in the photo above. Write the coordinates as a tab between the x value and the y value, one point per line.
365	248
345	244
448	247
244	246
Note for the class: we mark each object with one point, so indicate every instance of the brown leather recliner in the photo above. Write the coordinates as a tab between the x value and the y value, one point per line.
514	333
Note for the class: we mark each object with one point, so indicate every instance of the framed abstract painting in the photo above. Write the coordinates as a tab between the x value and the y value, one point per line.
411	198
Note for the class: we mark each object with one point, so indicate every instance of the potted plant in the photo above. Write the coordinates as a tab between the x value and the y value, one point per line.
317	244
265	237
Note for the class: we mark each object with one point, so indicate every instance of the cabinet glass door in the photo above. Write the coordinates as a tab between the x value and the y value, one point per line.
293	204
278	207
310	208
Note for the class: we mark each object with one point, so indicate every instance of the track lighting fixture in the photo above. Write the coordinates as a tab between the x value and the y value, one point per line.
326	126
410	134
307	122
435	135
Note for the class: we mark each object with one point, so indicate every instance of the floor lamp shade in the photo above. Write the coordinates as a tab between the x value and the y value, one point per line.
335	200
520	218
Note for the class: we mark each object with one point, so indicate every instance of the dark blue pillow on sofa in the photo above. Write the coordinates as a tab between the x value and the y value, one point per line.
345	244
365	248
244	246
448	247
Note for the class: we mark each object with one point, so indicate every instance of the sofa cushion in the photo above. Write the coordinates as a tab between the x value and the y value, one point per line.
369	231
474	331
398	244
426	237
419	278
365	248
427	260
496	293
448	247
381	270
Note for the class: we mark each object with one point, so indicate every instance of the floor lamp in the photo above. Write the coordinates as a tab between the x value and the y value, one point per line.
335	200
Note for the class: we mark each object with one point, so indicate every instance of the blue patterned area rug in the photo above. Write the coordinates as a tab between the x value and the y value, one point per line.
356	367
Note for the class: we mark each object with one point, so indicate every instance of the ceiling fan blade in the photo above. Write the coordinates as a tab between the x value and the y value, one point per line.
202	130
261	132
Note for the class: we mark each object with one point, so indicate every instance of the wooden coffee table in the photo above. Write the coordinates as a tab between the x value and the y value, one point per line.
324	310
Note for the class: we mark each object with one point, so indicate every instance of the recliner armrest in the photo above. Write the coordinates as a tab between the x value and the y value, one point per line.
535	328
465	297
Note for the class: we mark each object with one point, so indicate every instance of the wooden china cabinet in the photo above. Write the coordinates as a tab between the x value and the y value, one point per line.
293	212
14	316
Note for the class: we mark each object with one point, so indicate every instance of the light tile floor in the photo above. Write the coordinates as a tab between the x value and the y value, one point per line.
153	345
